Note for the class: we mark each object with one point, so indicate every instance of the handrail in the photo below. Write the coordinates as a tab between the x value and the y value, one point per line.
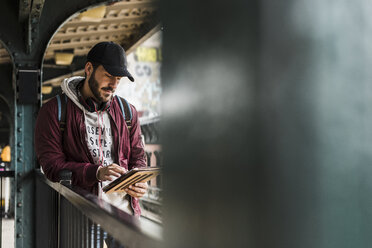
123	227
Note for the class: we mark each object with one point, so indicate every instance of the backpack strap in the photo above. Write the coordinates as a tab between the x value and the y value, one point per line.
62	104
126	111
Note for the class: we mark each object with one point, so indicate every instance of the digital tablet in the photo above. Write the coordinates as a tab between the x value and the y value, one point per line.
138	175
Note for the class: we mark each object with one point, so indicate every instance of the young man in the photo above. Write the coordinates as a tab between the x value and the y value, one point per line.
96	144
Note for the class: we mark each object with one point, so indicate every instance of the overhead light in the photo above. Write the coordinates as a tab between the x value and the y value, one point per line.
63	58
46	89
93	15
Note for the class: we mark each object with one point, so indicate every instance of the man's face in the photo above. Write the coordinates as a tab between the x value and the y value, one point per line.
102	84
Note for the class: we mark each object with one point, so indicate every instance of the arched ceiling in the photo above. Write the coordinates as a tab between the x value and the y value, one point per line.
124	22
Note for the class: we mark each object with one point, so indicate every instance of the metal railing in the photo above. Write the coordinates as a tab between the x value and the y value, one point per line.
67	216
151	202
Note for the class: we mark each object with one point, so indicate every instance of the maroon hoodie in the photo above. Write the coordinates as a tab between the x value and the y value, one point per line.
71	152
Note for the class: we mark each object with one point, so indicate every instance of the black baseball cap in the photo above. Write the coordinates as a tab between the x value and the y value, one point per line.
112	57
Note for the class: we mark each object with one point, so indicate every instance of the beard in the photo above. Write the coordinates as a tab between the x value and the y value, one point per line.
94	87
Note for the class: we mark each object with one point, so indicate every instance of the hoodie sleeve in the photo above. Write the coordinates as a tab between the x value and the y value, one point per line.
49	149
137	157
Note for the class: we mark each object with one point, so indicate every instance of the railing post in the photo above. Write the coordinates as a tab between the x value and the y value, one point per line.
65	178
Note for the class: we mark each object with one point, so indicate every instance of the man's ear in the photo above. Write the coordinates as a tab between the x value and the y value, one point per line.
88	69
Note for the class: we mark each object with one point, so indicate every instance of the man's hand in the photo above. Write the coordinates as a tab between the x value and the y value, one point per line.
107	173
137	190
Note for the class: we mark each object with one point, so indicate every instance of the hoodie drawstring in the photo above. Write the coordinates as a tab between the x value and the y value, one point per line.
99	137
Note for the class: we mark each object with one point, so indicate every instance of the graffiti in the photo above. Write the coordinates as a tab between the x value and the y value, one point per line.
145	92
145	95
143	70
148	54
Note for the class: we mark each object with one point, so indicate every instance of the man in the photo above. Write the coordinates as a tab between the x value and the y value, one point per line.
96	144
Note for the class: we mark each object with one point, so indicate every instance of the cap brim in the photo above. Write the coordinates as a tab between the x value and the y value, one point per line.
118	71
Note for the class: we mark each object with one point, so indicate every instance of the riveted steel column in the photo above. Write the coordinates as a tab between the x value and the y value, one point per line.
26	105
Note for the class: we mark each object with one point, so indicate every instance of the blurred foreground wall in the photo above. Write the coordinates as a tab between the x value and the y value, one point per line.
267	127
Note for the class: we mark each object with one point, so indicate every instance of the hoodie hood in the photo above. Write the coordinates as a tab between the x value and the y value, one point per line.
70	88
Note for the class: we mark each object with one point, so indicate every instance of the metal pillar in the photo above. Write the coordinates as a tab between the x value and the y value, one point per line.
267	127
26	106
315	95
209	76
